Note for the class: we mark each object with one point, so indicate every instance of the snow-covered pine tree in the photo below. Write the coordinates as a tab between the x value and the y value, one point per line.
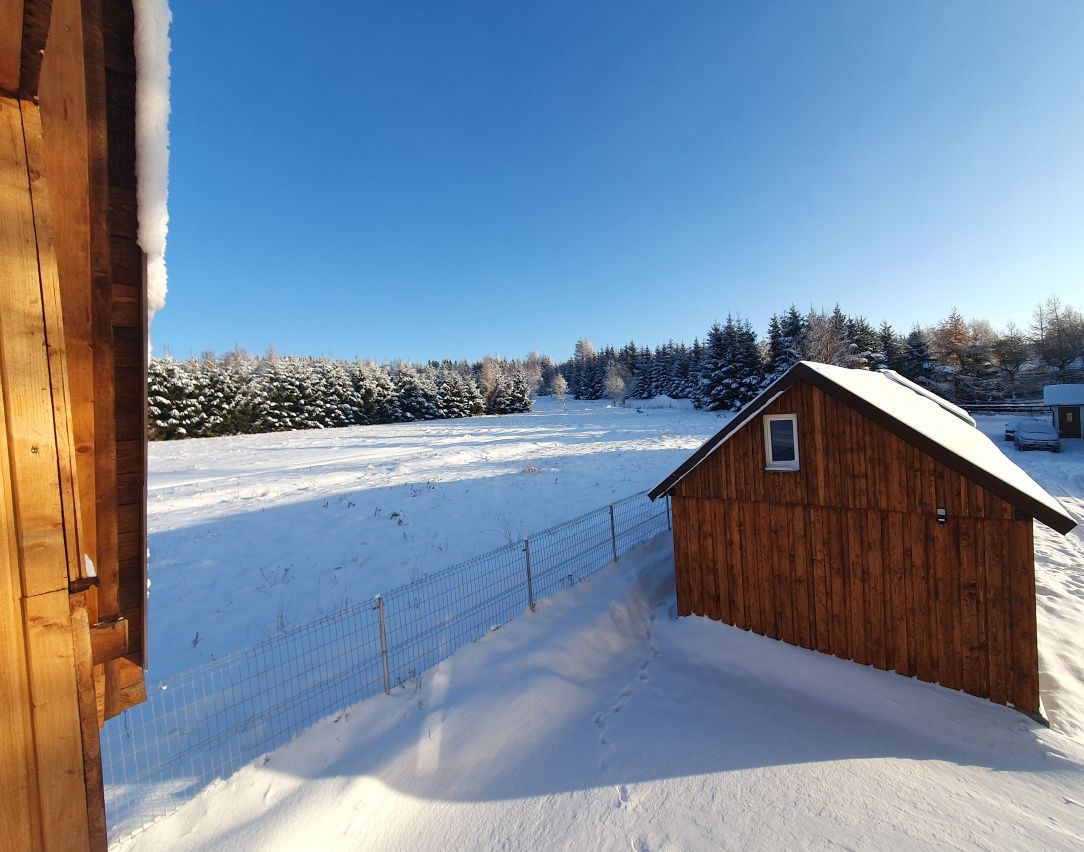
519	392
287	395
342	404
416	394
549	371
473	403
792	329
747	368
172	409
664	371
917	362
866	352
450	396
891	347
643	376
713	391
688	372
778	361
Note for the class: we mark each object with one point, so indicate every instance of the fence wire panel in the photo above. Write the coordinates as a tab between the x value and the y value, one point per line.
429	619
637	519
210	722
565	554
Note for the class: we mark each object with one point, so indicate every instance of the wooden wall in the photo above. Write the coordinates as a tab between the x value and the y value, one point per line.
49	761
73	344
846	556
87	98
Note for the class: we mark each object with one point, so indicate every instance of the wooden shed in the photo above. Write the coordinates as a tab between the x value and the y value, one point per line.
73	349
1067	404
857	514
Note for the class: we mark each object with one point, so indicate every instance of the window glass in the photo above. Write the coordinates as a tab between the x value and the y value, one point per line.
782	437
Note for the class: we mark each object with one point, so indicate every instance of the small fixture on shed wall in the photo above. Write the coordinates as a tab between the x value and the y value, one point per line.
942	516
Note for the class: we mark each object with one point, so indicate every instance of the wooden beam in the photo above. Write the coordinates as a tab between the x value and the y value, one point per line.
124	686
40	516
58	738
20	811
109	640
27	386
54	338
63	99
82	638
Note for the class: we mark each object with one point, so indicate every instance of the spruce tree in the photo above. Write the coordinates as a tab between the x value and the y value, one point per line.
891	347
916	361
713	390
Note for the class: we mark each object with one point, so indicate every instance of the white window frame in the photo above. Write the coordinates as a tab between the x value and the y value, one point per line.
769	462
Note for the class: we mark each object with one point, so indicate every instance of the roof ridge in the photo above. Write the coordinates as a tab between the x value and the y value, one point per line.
950	407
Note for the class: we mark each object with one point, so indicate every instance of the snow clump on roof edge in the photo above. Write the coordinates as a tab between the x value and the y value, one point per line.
152	20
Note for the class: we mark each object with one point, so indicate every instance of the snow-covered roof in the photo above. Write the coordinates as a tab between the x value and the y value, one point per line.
919	417
1063	394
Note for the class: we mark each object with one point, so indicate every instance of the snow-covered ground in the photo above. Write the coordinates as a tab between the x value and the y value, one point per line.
254	534
601	721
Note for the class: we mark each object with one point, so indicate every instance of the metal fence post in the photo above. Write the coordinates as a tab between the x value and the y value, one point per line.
613	532
530	582
669	522
383	644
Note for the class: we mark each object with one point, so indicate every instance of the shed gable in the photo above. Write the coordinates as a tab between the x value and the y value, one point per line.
847	461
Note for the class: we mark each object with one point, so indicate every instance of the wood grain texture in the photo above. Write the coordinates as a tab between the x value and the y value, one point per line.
83	645
27	389
847	556
57	727
20	812
11	44
64	114
56	352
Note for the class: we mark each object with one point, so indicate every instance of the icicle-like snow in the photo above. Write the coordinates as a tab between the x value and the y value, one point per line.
152	19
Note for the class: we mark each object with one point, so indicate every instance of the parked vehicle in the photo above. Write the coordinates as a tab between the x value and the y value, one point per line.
1036	435
1010	430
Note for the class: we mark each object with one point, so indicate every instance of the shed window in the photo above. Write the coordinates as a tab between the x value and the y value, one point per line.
781	441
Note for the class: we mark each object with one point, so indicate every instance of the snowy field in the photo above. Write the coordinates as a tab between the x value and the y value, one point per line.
254	534
600	721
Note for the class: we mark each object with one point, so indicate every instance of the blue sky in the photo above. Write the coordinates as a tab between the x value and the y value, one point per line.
416	180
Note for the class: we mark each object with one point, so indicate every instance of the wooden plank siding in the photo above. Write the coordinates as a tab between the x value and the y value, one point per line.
88	108
846	555
44	768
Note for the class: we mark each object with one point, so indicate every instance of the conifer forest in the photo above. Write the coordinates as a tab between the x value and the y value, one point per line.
966	361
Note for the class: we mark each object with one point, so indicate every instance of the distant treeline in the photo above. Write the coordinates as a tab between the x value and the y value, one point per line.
963	360
239	394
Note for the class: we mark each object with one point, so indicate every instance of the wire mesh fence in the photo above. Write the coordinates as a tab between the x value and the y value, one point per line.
211	721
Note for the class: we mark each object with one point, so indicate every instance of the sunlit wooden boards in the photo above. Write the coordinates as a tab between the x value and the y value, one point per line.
87	96
846	555
44	745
